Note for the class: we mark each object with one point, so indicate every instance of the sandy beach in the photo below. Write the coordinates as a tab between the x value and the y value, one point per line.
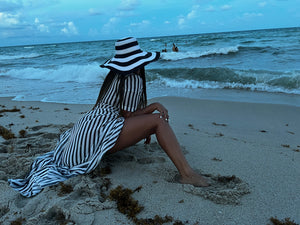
249	152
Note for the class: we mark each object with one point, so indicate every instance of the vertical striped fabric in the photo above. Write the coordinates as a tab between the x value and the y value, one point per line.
80	149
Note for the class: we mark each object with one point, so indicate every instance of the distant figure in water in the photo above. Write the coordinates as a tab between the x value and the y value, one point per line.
174	48
165	49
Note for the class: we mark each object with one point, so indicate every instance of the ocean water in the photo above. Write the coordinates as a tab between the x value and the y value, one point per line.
250	66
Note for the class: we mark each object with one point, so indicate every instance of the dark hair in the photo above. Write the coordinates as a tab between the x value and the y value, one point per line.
107	83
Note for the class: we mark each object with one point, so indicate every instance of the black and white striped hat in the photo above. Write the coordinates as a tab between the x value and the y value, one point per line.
129	56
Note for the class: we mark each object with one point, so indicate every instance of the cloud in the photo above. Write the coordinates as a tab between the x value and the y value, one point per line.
262	4
41	27
181	22
94	12
110	25
69	29
9	20
193	13
210	9
141	24
226	7
128	5
251	15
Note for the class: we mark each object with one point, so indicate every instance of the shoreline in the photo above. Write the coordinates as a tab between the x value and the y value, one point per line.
227	95
256	142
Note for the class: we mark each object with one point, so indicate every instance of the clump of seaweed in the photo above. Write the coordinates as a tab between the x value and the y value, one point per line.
219	124
286	221
125	203
36	108
226	179
100	172
216	159
6	134
18	221
157	220
22	133
10	110
130	207
64	189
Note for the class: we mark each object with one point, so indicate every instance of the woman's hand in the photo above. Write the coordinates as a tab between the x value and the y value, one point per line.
163	112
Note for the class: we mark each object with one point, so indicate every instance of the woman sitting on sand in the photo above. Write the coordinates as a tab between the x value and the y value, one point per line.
119	119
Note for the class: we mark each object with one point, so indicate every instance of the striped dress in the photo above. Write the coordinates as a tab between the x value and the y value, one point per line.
80	149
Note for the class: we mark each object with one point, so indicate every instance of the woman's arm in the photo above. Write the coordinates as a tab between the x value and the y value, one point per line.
148	110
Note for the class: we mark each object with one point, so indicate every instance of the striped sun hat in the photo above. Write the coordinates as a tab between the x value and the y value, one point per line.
129	56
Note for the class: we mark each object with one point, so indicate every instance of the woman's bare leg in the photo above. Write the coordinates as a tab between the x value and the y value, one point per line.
139	127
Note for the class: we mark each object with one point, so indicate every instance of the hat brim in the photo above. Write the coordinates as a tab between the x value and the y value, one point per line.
132	63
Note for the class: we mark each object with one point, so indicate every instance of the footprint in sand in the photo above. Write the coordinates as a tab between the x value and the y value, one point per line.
226	190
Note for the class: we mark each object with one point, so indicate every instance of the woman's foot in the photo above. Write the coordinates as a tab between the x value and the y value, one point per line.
194	179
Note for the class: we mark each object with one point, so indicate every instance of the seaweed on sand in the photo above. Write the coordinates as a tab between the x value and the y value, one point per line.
130	207
286	221
64	189
18	221
6	134
125	203
10	110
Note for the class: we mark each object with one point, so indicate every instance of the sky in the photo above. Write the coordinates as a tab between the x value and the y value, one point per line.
26	22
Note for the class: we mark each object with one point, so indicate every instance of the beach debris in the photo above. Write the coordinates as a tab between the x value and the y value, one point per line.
286	221
125	203
22	133
22	116
219	124
285	145
219	135
36	108
65	189
18	221
10	110
6	134
100	171
66	109
192	127
216	159
130	207
157	220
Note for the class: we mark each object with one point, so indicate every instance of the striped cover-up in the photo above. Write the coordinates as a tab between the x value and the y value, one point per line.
80	149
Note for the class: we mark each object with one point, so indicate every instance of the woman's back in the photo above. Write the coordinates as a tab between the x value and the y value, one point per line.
132	85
